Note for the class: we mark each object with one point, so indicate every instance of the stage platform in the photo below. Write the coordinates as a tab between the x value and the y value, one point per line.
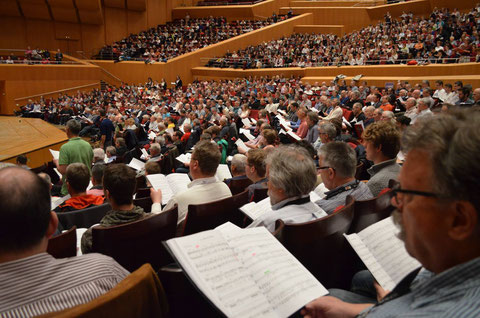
31	137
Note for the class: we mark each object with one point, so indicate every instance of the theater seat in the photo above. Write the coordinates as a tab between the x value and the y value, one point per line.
136	243
238	186
63	245
144	203
83	218
140	294
370	211
201	217
321	247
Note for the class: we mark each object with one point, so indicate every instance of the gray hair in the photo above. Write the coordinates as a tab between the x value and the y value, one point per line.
328	128
240	162
74	126
292	169
111	150
451	141
155	147
98	153
339	156
427	102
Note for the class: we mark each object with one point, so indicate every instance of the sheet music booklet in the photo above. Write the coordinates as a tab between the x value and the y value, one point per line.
383	253
170	184
245	272
223	172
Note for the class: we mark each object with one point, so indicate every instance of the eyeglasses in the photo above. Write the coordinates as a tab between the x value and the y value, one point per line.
396	189
325	167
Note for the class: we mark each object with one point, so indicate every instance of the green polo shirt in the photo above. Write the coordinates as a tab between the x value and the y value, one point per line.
75	150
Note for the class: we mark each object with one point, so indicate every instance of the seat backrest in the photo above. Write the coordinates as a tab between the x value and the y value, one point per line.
37	170
259	194
202	217
140	294
63	245
239	185
142	193
319	245
370	211
136	243
144	203
83	218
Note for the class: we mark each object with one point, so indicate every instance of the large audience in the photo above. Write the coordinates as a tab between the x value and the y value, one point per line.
443	37
298	152
175	38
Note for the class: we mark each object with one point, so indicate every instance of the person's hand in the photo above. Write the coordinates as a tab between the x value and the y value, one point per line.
331	307
55	162
381	293
156	195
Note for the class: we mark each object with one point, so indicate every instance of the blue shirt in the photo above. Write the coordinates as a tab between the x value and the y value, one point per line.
450	294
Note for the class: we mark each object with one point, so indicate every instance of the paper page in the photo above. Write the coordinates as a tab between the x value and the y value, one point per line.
178	182
247	134
253	120
227	227
55	154
90	185
282	132
184	158
223	172
241	145
255	210
345	121
144	152
229	158
216	270
152	135
246	122
285	282
170	131
282	112
320	191
293	135
56	201
136	164
57	172
385	251
80	232
160	182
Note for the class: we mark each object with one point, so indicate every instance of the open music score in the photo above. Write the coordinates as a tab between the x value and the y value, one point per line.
170	184
246	272
383	253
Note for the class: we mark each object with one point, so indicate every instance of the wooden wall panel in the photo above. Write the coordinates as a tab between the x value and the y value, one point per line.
90	5
156	12
9	8
93	39
137	21
136	5
35	10
90	16
115	3
417	7
115	24
320	29
61	14
15	37
40	34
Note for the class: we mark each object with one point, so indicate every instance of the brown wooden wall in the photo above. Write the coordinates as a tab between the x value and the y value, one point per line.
21	81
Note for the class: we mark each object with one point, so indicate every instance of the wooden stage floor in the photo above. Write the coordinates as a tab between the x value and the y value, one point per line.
30	136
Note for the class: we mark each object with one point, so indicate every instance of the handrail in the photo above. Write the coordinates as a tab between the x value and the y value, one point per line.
57	91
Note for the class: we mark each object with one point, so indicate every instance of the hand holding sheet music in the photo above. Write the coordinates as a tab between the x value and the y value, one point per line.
169	185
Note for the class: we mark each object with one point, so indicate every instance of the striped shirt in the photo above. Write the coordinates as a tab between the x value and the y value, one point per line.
40	284
453	293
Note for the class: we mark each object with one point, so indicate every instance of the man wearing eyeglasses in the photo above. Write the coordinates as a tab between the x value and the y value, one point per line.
338	163
438	213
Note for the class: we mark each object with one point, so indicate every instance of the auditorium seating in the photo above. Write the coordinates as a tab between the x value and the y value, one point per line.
145	203
370	211
201	217
136	243
83	218
321	247
139	295
64	244
239	185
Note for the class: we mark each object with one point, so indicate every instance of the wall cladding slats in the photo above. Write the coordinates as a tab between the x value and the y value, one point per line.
9	8
35	9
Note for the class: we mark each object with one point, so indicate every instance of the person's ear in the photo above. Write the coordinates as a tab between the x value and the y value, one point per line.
52	225
463	221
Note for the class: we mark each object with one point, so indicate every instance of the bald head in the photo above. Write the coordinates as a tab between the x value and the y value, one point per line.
24	222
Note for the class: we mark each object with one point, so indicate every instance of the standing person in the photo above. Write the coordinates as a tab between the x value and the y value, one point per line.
106	130
75	150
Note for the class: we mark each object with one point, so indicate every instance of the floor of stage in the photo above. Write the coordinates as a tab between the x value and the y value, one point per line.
30	136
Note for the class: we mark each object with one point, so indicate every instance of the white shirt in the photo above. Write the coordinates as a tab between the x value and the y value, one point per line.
424	113
199	191
289	213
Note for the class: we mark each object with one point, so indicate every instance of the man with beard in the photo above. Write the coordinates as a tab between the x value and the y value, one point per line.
438	213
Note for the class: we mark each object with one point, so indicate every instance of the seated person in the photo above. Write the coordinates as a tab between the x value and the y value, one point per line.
337	165
33	282
120	146
77	178
438	217
256	170
119	186
155	152
291	177
98	155
382	144
111	153
97	180
237	167
204	188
